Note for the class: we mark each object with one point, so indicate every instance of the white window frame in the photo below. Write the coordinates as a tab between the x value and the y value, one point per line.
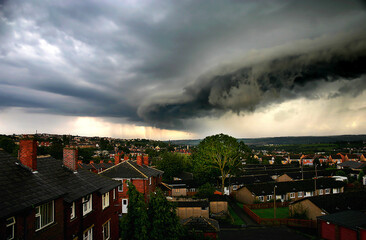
87	204
105	200
327	191
269	198
335	190
10	223
120	187
292	195
88	234
114	194
106	230
261	198
149	180
321	191
72	215
300	194
40	217
308	195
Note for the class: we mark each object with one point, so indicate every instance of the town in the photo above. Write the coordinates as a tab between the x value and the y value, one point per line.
68	187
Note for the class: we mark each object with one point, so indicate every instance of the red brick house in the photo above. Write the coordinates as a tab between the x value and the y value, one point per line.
145	178
45	198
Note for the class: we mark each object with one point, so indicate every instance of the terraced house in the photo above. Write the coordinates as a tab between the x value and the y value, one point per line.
45	198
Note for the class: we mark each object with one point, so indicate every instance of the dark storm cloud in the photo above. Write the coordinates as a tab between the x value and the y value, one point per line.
119	59
273	80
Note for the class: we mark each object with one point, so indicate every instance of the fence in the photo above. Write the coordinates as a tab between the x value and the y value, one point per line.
279	221
267	205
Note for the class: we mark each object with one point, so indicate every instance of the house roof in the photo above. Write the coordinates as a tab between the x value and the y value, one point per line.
309	174
201	224
350	219
130	169
336	156
192	203
21	189
183	183
339	202
250	179
353	164
261	189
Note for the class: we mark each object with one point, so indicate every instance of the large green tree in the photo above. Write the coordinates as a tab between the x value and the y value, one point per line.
164	222
220	152
135	223
172	164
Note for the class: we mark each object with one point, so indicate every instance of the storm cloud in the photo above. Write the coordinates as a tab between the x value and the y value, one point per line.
169	64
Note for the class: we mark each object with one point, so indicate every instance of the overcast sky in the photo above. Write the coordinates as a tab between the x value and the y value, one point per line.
183	69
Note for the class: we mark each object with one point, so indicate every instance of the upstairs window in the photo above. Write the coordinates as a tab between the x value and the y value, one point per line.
120	187
114	194
261	198
321	192
44	215
300	194
292	195
149	180
105	200
107	230
88	234
10	227
72	215
269	198
327	190
87	204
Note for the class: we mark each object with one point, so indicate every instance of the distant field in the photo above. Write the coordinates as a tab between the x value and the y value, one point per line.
281	212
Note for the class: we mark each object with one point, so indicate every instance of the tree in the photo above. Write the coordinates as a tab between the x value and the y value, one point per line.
171	164
221	152
7	144
205	191
340	173
164	222
360	176
135	223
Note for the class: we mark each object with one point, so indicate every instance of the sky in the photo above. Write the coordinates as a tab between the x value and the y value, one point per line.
183	69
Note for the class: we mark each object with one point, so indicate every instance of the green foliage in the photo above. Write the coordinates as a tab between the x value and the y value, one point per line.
56	149
8	144
340	173
104	144
135	223
86	154
360	176
171	164
164	222
219	152
205	191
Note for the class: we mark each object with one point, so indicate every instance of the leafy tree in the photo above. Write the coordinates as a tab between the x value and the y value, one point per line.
221	152
205	191
316	162
164	222
86	154
171	164
56	149
360	176
7	144
340	173
135	224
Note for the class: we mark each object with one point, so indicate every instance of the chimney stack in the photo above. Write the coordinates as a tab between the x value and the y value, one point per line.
117	158
139	159
146	160
125	158
71	158
28	153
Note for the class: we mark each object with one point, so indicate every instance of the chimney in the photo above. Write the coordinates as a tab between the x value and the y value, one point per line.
117	158
28	153
146	160
71	158
125	158
139	159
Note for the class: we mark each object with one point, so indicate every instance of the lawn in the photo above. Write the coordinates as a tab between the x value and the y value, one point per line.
281	212
236	218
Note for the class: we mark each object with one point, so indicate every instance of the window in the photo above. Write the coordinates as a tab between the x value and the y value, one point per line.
114	194
87	204
105	200
120	187
107	230
44	215
335	190
72	215
299	194
308	194
261	198
321	192
10	226
327	190
149	180
88	234
269	197
292	195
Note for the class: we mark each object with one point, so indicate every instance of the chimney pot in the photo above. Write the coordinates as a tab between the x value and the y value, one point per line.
139	159
125	158
28	153
146	160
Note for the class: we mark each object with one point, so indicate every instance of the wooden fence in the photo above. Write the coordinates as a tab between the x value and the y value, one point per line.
280	221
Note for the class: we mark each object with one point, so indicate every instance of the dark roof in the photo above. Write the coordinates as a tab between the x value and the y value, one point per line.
201	224
349	219
261	189
353	164
249	179
336	156
309	174
130	169
21	189
339	202
192	203
217	198
185	176
86	166
186	183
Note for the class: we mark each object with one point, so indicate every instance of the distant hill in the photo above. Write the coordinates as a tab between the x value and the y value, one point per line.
284	140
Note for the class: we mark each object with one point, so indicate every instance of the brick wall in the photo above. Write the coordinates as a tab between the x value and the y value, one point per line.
71	158
28	153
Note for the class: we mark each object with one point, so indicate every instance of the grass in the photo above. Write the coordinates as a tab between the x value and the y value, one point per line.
236	218
281	212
